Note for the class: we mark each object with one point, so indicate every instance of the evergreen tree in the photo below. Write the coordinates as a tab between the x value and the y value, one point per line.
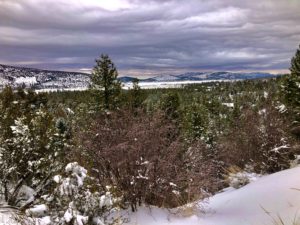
291	86
135	94
32	148
170	104
104	79
295	63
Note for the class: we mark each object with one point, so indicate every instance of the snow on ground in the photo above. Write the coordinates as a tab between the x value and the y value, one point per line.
143	85
6	219
257	203
6	215
170	84
60	89
26	80
228	104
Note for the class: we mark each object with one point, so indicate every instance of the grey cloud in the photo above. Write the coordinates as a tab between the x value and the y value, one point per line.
156	36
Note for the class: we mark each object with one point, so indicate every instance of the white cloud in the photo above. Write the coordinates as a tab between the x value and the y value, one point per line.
227	16
111	5
240	55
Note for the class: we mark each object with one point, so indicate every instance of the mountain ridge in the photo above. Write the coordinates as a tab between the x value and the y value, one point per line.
53	79
204	76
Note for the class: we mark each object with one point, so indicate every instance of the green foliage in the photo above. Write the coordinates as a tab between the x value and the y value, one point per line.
221	124
196	121
136	96
291	83
290	89
32	147
104	80
295	63
170	104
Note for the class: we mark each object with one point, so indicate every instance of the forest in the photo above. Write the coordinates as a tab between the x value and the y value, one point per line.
79	157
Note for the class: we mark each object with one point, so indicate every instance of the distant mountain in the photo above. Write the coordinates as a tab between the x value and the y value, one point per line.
126	79
204	76
46	79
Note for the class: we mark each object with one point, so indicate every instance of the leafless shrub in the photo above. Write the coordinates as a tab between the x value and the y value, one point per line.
145	159
258	137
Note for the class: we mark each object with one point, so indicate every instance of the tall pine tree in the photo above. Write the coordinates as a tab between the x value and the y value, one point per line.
104	79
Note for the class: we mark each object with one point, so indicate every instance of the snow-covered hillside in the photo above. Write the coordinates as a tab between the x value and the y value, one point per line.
42	79
202	76
263	202
258	203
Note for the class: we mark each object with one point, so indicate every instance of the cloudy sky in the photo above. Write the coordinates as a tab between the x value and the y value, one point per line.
150	37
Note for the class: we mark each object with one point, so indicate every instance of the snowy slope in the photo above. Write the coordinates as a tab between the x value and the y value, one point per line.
258	203
42	79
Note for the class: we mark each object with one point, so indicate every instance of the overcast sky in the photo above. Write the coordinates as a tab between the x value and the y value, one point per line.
150	37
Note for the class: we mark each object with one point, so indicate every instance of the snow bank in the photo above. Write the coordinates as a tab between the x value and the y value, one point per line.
259	202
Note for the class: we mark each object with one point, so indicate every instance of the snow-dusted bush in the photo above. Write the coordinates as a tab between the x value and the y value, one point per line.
31	155
260	138
32	147
73	200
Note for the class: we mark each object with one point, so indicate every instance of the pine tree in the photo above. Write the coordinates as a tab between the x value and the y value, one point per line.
170	104
104	79
291	84
135	94
295	63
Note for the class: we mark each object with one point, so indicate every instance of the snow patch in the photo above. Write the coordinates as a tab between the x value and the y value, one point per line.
37	211
228	104
26	80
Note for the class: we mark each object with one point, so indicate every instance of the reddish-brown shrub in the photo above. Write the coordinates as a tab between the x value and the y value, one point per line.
259	138
145	159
